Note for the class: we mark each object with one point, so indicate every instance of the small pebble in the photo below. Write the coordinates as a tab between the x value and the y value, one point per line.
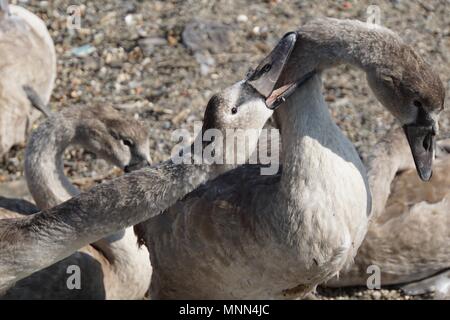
83	51
242	18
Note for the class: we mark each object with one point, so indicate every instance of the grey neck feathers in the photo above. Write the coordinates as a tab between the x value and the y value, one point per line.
390	156
36	242
44	162
381	173
304	116
314	148
324	43
50	187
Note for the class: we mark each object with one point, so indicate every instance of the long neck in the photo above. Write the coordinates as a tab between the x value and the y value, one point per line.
324	43
303	117
31	244
318	160
50	187
44	163
390	156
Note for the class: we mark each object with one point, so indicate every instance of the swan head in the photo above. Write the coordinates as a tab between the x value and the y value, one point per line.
241	110
233	120
264	79
415	95
237	107
403	82
114	136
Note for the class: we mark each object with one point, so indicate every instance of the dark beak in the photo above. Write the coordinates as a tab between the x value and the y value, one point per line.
136	166
422	141
265	77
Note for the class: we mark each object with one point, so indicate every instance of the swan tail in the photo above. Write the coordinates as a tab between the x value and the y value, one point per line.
36	101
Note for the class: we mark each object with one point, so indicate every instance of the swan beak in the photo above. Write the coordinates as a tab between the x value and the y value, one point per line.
265	77
136	166
422	141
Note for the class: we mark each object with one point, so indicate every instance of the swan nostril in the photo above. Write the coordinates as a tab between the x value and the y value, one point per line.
256	74
427	142
266	68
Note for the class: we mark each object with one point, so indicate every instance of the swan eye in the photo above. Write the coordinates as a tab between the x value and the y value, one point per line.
128	142
417	103
234	110
114	135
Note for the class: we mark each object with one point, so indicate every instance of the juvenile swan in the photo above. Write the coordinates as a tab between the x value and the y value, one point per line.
33	243
249	236
410	234
27	58
113	267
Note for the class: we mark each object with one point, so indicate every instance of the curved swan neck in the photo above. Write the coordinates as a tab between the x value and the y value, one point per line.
318	160
45	238
304	116
44	161
324	43
381	173
390	156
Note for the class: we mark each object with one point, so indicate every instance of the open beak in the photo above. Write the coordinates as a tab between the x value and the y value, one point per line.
422	141
265	77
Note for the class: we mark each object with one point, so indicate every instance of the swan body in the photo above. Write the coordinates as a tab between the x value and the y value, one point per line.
28	58
245	236
38	241
249	236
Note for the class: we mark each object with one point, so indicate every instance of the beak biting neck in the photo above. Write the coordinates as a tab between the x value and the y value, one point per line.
421	135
